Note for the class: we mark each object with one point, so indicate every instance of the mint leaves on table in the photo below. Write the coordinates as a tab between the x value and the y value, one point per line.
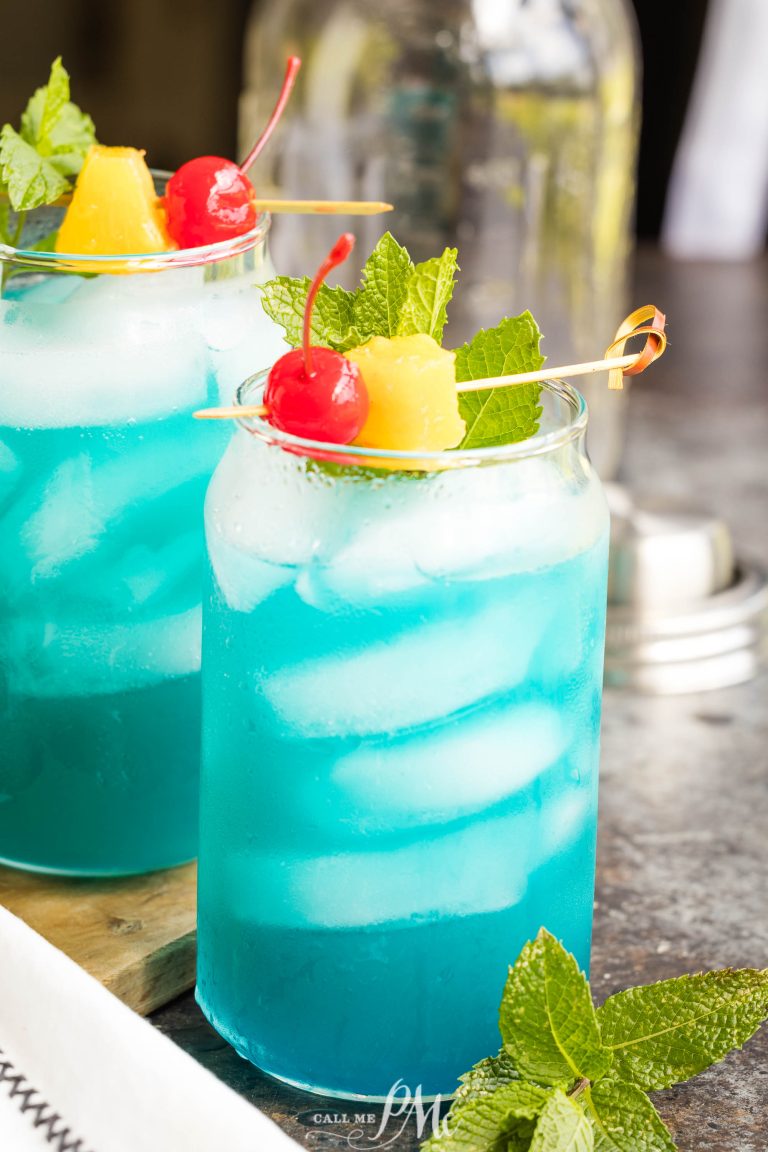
572	1078
39	161
667	1032
547	1019
396	298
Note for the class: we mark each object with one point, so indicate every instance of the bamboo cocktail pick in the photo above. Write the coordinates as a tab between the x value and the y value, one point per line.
647	321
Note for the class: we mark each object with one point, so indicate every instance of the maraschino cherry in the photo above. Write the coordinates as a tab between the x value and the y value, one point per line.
211	199
316	393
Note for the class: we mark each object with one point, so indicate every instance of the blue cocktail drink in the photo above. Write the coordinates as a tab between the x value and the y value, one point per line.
102	477
402	687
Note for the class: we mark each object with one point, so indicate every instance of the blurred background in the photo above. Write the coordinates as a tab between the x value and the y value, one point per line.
167	75
540	137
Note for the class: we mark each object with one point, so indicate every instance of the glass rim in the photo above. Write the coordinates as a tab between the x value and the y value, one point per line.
138	261
540	444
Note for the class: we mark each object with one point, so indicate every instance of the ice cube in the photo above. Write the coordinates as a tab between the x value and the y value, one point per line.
449	772
564	819
71	512
104	355
482	868
144	575
47	657
268	513
423	675
463	524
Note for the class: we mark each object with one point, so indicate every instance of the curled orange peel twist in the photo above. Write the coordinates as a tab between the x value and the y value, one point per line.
647	321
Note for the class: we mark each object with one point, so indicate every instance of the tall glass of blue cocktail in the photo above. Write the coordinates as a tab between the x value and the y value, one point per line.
402	687
102	478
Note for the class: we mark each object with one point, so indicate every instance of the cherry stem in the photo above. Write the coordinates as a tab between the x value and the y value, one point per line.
291	71
336	256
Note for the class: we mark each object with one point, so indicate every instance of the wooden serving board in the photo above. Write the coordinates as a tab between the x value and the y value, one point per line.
136	935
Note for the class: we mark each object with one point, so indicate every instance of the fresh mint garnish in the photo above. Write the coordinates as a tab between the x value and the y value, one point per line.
39	161
666	1033
625	1120
380	299
547	1019
572	1079
492	1073
562	1127
492	1120
508	413
429	292
30	178
396	298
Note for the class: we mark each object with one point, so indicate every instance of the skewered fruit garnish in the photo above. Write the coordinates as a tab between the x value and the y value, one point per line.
411	385
114	208
317	393
211	199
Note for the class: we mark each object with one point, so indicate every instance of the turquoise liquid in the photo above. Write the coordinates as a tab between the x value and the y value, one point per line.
395	797
102	480
101	573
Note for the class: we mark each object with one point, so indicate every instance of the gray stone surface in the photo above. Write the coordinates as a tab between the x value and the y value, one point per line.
683	842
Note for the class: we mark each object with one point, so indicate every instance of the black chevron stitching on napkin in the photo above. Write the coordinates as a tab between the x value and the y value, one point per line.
39	1111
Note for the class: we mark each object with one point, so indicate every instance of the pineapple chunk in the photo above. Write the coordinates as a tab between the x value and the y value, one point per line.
114	209
413	403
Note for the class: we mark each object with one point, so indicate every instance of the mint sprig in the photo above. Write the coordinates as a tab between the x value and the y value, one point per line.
570	1078
396	298
39	160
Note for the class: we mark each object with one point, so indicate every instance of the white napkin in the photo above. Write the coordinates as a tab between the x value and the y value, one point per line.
74	1060
717	203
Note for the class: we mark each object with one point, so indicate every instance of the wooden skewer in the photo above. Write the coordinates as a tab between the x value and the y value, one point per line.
244	412
326	207
620	363
615	363
299	207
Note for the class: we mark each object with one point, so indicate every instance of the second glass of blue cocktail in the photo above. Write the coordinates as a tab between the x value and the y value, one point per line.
402	685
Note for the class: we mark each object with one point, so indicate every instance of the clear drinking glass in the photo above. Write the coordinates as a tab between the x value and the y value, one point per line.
102	477
401	705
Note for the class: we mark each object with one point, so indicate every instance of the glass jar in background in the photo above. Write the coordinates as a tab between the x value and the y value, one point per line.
508	130
402	670
102	476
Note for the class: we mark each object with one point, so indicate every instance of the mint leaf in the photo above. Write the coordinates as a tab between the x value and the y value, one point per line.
386	275
55	127
488	1123
5	224
69	141
562	1127
664	1033
547	1018
428	294
30	178
283	300
500	415
492	1073
37	162
395	298
45	107
625	1120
